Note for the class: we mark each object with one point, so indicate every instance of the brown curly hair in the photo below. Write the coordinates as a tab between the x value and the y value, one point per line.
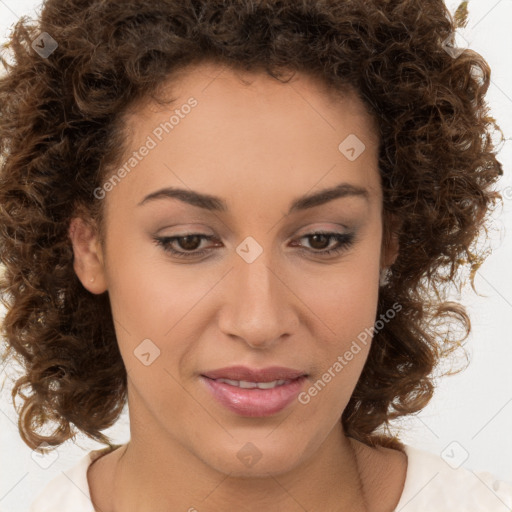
61	134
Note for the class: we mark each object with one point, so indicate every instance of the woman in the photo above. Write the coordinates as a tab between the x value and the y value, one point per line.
241	218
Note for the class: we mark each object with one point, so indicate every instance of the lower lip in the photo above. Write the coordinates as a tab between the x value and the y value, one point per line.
254	402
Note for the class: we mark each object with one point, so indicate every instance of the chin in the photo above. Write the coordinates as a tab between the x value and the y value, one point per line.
258	458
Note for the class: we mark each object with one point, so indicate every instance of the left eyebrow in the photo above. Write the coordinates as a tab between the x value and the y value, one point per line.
214	203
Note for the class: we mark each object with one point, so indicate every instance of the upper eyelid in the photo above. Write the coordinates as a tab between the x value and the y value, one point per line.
207	236
305	231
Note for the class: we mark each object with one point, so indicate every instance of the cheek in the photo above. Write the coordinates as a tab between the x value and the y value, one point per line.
346	307
344	296
344	299
346	304
145	303
143	284
164	308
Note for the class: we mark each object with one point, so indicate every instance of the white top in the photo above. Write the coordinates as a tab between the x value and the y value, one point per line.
431	485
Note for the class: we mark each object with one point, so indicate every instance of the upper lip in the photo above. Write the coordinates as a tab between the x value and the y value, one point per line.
254	374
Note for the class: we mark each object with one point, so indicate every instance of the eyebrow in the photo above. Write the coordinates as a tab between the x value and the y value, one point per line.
216	204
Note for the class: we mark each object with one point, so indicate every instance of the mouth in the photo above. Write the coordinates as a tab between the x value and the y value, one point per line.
254	392
255	375
245	384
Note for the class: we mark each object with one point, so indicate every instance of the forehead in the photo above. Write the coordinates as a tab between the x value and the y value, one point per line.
250	91
250	131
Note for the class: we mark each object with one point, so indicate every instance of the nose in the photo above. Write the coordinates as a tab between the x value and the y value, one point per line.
260	308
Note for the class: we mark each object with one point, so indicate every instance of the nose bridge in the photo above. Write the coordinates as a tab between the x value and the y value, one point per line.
255	276
256	304
255	260
257	280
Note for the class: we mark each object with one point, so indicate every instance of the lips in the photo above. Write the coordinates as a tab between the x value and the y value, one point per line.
254	392
242	373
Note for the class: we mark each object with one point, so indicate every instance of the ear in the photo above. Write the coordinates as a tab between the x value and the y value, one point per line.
88	260
390	245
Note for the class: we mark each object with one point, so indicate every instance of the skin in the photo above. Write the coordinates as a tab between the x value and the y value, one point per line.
259	147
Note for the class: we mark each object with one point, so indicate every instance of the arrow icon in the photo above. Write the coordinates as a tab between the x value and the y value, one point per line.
454	455
44	44
249	249
147	352
352	147
249	454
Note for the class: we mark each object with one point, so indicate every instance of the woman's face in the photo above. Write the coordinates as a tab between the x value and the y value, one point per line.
251	287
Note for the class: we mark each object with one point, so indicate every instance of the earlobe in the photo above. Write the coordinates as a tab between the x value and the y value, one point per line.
88	257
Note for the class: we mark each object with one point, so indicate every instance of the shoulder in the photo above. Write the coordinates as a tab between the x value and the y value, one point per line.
70	489
434	484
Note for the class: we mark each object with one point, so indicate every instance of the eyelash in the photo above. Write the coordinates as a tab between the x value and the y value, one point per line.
346	240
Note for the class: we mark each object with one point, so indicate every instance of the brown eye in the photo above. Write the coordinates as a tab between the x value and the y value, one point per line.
319	241
189	242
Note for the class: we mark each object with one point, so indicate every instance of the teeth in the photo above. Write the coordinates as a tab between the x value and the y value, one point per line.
244	384
230	382
247	385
